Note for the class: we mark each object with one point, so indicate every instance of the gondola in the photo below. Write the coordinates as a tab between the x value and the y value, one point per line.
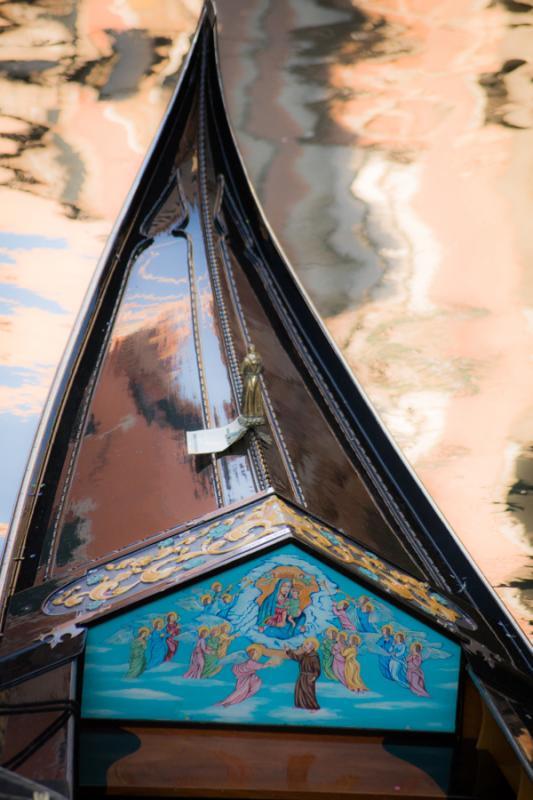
222	579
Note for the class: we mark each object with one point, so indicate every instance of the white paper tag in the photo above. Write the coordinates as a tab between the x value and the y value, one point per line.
216	440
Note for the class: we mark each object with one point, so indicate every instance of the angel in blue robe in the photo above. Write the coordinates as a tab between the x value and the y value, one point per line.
226	604
397	663
386	642
363	612
156	648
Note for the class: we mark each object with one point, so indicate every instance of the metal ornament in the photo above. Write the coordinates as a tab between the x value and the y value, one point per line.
252	409
217	440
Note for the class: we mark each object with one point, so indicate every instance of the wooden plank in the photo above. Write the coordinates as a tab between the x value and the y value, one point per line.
263	764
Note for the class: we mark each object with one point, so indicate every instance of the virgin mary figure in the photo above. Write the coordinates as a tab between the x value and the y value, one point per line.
277	617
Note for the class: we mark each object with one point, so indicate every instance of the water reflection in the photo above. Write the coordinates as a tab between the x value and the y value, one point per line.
83	85
402	137
391	147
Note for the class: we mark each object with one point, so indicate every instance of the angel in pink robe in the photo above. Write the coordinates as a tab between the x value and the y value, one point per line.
415	676
248	682
339	662
339	609
173	631
197	661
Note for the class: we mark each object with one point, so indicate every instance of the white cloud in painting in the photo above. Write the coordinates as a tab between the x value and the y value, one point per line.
237	713
302	714
338	690
122	636
390	705
139	694
106	667
92	648
325	690
180	680
103	712
168	666
282	687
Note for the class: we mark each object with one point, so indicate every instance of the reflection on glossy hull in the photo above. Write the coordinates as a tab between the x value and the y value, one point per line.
163	374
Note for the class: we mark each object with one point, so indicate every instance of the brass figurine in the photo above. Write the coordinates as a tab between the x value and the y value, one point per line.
252	408
251	416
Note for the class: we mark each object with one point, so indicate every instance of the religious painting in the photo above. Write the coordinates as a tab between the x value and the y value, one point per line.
282	639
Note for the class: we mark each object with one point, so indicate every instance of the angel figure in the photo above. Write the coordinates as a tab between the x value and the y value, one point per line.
248	681
415	674
137	663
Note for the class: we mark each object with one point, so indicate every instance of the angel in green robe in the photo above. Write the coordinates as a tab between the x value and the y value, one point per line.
138	654
213	643
326	651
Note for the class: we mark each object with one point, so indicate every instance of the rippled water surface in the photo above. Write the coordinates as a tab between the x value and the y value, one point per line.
392	147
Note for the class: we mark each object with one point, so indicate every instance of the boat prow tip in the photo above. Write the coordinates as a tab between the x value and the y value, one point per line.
210	12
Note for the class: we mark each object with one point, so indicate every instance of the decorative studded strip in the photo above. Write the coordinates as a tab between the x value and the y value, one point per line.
225	199
269	408
259	470
256	448
193	294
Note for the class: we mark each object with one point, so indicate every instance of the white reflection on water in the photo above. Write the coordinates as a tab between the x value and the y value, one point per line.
82	92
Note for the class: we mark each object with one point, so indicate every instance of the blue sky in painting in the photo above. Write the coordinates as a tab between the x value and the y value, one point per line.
162	692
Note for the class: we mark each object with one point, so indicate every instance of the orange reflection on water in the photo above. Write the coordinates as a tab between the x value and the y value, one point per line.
83	88
394	167
443	347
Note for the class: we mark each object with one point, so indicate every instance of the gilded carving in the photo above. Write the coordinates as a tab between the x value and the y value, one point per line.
170	560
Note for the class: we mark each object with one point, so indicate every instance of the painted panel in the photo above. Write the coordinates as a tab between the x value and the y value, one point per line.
282	639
